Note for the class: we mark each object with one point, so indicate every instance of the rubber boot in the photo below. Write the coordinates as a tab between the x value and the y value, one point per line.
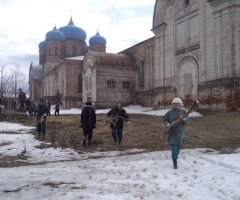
175	163
84	143
115	140
89	142
39	135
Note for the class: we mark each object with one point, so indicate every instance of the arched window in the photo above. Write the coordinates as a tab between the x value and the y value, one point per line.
53	89
90	82
80	83
49	88
46	89
141	74
55	51
74	51
62	84
87	83
186	3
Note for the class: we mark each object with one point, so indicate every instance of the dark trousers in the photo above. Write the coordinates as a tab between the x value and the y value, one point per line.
21	105
87	133
41	127
118	133
56	112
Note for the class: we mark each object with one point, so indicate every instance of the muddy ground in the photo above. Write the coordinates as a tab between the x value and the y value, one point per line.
213	130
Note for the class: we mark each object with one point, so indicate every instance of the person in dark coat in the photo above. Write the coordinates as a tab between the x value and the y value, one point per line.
88	122
21	99
28	103
57	107
117	115
175	134
49	106
41	112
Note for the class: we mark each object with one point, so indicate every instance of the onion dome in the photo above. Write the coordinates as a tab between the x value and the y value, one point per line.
97	40
42	45
73	32
55	35
86	49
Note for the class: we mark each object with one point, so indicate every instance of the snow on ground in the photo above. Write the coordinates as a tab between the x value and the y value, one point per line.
66	174
132	109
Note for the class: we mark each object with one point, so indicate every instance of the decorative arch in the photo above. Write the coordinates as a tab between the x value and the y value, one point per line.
188	77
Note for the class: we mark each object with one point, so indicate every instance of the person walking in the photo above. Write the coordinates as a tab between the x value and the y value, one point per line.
21	99
57	107
176	133
88	122
117	115
28	103
48	106
41	112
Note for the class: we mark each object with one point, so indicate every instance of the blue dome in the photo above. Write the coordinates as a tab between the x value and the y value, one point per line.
55	35
86	49
97	40
73	32
42	45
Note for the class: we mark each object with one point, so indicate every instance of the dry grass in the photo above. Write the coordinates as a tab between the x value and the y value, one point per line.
214	130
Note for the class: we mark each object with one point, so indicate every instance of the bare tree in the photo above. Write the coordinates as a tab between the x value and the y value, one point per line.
4	82
11	80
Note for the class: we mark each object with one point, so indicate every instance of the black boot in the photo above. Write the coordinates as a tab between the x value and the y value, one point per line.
84	143
39	135
89	142
175	163
119	141
115	140
43	136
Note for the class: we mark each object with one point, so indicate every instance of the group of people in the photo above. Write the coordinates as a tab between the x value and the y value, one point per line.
117	116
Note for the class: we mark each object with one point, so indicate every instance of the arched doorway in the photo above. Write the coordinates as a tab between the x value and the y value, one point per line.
188	77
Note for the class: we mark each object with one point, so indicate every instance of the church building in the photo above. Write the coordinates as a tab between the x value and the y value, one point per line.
194	54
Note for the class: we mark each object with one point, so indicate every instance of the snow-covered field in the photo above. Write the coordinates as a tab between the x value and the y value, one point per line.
66	174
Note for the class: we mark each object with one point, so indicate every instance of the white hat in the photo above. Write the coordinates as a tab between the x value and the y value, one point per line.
177	100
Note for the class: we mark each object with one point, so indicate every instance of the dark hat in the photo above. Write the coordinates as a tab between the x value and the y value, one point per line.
88	103
19	89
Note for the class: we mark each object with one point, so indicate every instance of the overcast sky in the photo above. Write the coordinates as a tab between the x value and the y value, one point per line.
24	24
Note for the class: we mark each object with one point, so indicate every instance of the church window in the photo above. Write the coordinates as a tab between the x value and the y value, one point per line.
62	84
53	89
46	89
126	85
141	74
111	84
74	51
55	51
87	83
186	3
80	83
49	88
90	82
